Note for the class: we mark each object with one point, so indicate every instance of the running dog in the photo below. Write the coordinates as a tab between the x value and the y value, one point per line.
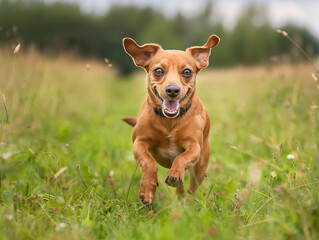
172	126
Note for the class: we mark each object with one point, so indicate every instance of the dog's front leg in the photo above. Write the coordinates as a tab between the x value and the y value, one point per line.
149	168
188	158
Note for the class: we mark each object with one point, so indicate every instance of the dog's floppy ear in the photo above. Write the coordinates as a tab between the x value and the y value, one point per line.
201	54
141	54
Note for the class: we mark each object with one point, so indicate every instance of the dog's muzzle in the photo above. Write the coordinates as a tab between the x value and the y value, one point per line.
170	108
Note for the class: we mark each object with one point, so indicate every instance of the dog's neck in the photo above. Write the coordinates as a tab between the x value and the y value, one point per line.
182	111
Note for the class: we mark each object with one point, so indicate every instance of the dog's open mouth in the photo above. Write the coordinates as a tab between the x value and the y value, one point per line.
170	108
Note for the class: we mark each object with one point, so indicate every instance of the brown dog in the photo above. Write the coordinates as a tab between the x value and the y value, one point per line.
172	126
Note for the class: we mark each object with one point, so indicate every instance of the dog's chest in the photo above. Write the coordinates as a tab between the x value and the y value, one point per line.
169	149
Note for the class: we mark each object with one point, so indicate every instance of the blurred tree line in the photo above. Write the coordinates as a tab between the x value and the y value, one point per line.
63	26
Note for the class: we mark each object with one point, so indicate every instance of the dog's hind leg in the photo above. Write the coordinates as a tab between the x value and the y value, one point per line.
198	172
180	191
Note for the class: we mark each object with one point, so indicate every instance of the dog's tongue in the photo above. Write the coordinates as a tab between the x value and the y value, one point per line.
171	105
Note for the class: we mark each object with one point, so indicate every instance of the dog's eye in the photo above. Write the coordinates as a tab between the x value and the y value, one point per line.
158	72
187	73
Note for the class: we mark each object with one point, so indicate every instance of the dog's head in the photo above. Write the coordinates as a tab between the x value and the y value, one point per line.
171	74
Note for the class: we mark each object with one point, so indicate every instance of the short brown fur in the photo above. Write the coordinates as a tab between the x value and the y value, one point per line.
177	143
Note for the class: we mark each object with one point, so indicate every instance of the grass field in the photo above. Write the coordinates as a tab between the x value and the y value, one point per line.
67	170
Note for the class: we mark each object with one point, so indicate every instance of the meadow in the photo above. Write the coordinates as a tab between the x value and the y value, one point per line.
67	170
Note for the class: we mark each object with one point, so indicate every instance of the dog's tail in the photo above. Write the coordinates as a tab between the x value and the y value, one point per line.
131	121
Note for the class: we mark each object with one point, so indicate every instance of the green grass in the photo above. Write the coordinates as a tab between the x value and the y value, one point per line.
64	136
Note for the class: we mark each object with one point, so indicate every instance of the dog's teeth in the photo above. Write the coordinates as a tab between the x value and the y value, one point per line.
170	112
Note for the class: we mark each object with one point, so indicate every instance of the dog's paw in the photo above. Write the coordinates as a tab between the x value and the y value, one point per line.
175	177
147	192
174	181
148	200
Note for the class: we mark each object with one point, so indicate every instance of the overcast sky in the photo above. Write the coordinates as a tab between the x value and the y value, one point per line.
280	12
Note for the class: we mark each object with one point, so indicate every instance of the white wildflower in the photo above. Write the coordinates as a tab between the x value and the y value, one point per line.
17	49
62	225
273	174
291	156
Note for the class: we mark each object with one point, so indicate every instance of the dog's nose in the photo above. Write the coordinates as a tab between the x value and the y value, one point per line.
172	90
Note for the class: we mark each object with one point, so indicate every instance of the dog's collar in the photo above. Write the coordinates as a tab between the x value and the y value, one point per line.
182	111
